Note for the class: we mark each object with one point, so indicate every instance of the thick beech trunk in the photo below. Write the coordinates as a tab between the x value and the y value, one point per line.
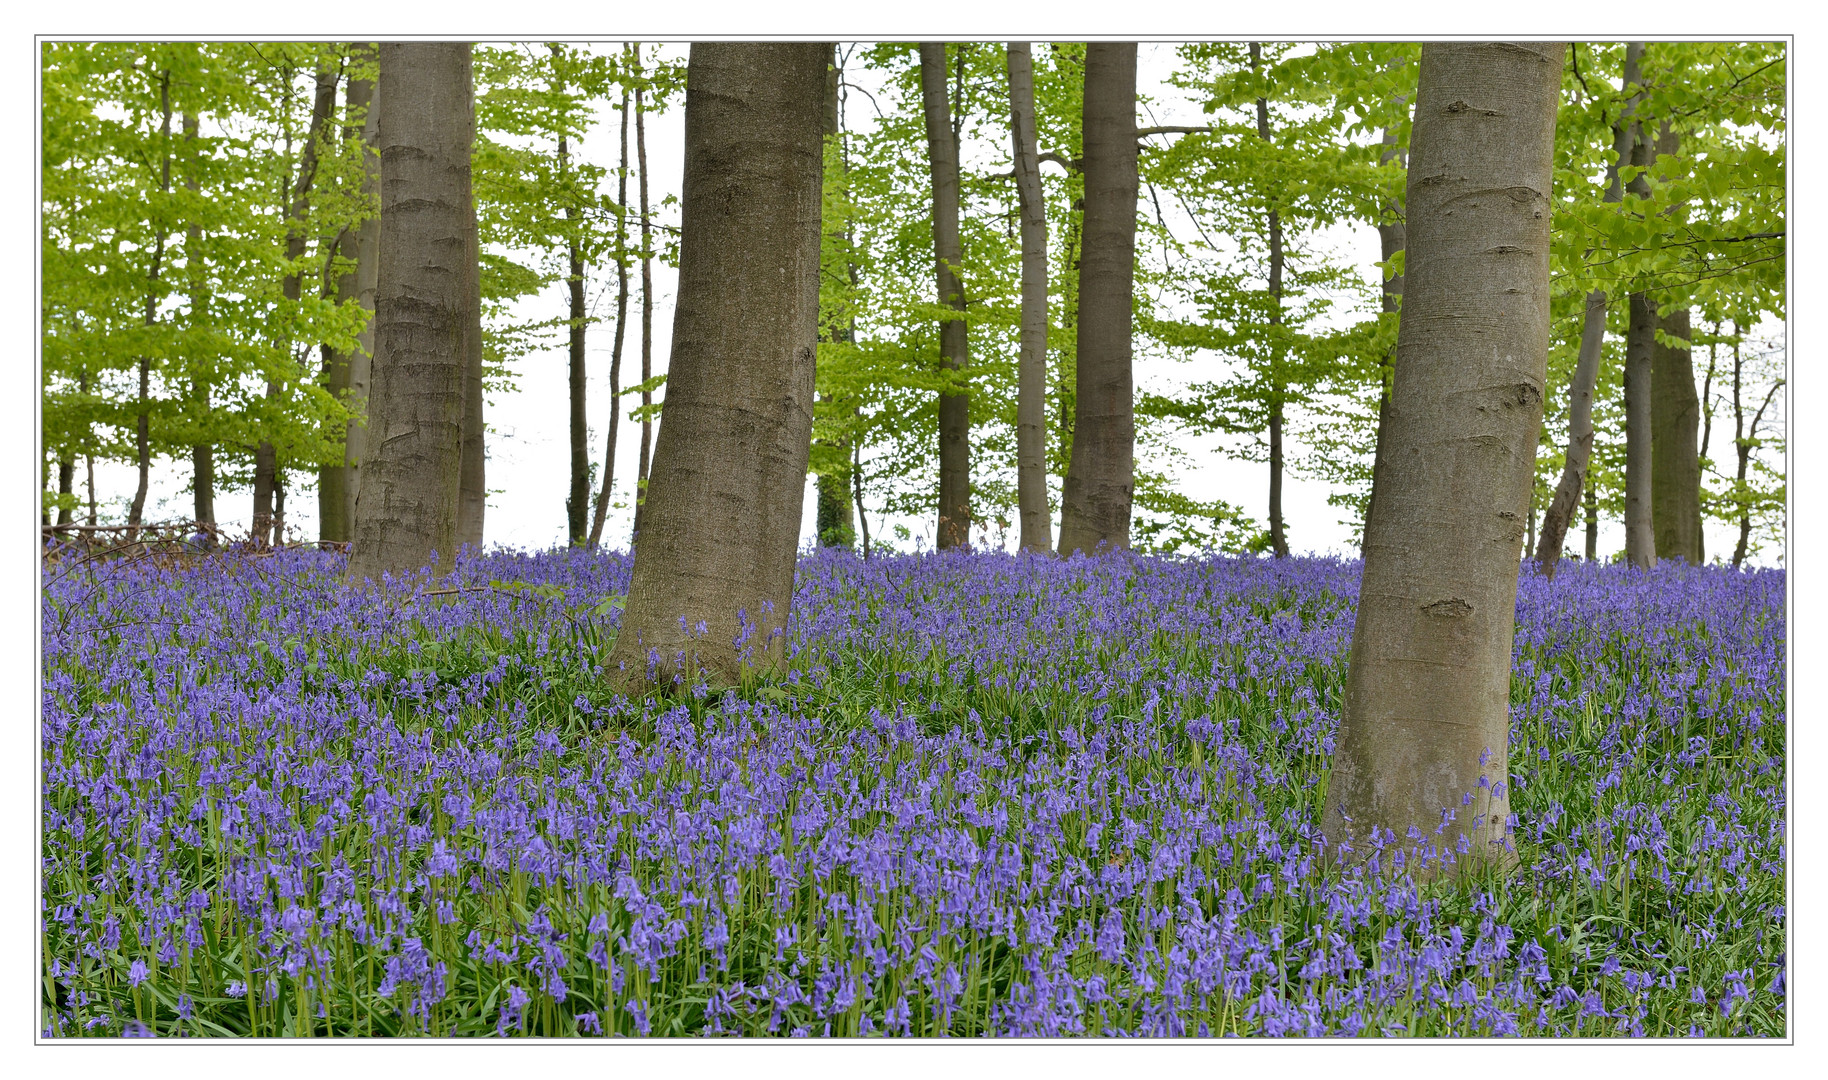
1031	369
1100	478
714	563
645	461
406	507
1422	737
336	483
1586	365
953	528
1640	347
1675	460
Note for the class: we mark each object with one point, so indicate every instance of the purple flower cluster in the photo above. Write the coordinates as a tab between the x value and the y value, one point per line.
985	795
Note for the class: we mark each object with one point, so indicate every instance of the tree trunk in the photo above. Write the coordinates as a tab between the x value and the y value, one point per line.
1640	341
1422	736
615	353
644	462
1031	373
1675	460
406	508
1591	504
1278	531
202	454
1592	340
367	274
833	519
335	494
954	524
472	468
1390	235
1100	479
577	504
142	426
714	565
66	488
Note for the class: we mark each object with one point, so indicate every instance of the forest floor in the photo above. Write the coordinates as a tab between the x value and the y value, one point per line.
985	794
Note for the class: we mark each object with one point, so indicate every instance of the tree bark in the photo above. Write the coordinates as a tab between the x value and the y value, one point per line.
202	454
142	426
714	565
1031	369
1278	530
1591	504
335	494
1100	478
1640	345
953	528
66	488
1675	460
577	504
1592	340
472	468
406	507
615	353
1422	736
367	275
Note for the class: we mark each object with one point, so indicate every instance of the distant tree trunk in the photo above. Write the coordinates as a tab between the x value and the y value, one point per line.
1031	376
202	454
1100	479
406	508
863	520
1422	736
954	524
833	519
615	353
1389	241
472	476
714	564
1744	441
1591	505
142	427
66	488
367	273
577	504
298	210
644	462
1640	346
1278	531
1586	365
335	483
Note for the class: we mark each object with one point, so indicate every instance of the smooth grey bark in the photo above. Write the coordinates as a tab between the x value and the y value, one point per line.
714	563
1031	367
1640	346
1675	460
335	494
833	519
1100	478
142	424
615	352
406	507
577	502
1592	340
472	468
953	528
1422	735
645	462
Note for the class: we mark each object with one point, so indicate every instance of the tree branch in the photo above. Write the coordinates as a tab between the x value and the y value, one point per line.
1173	130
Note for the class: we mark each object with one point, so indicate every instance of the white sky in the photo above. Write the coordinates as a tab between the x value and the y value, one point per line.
528	456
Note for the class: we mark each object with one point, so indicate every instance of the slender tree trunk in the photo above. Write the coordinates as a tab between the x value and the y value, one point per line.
954	524
1422	737
142	427
367	274
863	520
615	352
1586	365
1031	376
1100	479
714	565
335	494
406	507
472	468
1640	346
833	519
1390	235
89	469
202	454
1278	530
645	461
1591	504
577	504
1067	376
